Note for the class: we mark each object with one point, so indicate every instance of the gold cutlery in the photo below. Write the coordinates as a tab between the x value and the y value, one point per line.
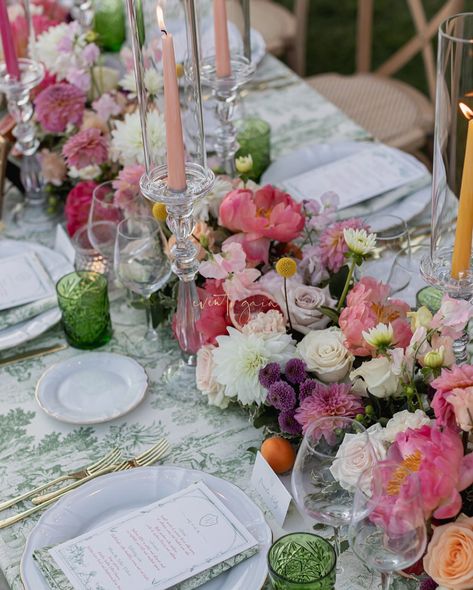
109	459
146	458
30	354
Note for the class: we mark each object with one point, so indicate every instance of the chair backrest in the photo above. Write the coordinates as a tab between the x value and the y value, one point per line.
421	42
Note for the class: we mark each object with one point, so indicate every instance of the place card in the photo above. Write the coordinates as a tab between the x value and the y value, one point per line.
359	176
180	542
270	489
23	279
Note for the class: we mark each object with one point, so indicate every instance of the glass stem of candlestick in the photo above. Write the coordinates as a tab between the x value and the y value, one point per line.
226	136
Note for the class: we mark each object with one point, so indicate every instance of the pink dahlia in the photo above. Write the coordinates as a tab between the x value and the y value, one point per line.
332	246
328	400
78	205
127	185
86	148
456	378
58	105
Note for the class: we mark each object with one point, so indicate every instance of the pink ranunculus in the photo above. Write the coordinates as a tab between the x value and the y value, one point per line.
458	377
86	148
58	105
452	317
78	205
266	213
255	247
368	304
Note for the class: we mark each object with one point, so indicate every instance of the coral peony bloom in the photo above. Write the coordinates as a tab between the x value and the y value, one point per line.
449	558
86	148
78	205
367	306
265	213
58	105
458	377
255	247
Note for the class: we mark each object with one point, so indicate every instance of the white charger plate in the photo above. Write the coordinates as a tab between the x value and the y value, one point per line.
57	266
111	496
91	388
318	154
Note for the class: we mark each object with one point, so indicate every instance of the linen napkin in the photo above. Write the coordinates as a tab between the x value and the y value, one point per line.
21	313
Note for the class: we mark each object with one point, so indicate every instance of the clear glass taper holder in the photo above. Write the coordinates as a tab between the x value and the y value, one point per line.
83	12
225	91
180	220
34	213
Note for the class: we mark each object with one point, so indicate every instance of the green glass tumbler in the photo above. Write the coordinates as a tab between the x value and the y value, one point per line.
109	23
83	300
302	561
254	138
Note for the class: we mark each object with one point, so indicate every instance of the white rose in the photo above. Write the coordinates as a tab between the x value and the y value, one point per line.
355	459
324	353
378	377
401	421
304	303
205	380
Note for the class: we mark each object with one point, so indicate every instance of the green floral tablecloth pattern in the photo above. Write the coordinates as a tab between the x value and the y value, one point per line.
35	447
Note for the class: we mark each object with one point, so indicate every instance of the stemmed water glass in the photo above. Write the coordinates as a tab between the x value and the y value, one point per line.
140	261
316	487
387	531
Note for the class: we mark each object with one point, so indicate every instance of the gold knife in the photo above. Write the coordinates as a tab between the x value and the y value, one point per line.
23	356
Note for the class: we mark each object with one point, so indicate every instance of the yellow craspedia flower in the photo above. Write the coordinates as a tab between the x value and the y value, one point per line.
179	70
286	267
160	212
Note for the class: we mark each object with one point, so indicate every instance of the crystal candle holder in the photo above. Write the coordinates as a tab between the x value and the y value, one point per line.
225	91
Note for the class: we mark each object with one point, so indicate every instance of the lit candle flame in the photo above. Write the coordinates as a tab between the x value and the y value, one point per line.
160	17
467	112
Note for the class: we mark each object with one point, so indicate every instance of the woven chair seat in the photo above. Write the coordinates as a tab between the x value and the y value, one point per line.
390	110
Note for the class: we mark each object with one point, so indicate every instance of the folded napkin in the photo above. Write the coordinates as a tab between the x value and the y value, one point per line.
21	313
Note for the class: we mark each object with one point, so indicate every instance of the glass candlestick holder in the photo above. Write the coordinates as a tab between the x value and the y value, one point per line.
225	91
34	212
83	12
180	220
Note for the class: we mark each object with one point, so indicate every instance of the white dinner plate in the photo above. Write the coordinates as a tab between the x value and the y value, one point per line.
318	154
57	266
112	496
91	388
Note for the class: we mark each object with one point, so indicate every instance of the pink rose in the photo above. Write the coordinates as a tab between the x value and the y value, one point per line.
265	213
78	205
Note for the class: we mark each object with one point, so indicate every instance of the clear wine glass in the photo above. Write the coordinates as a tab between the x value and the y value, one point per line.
316	487
141	262
387	531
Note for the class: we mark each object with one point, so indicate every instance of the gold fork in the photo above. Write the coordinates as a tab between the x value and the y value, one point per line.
150	456
111	458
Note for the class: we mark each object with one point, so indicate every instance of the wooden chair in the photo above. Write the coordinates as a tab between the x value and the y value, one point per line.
392	111
284	32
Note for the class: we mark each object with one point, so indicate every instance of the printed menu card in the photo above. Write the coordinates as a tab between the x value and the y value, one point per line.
181	541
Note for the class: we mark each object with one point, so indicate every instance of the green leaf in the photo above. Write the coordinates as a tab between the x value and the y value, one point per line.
253	450
337	282
330	313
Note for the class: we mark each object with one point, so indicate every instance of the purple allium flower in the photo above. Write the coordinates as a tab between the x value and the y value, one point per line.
269	374
288	423
295	371
282	396
306	389
335	400
58	105
428	584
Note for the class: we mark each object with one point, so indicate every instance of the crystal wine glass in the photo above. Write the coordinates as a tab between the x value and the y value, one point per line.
387	531
141	262
329	448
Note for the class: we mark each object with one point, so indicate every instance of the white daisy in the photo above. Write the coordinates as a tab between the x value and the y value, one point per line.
87	173
381	336
359	241
127	140
239	358
152	78
210	204
46	48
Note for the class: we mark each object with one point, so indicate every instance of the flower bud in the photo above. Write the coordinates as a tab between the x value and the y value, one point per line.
244	164
434	359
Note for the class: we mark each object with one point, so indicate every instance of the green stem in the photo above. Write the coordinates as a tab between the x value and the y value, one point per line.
287	304
347	286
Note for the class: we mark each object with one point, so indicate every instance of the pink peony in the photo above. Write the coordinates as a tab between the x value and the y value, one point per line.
127	185
265	213
86	148
58	105
367	306
214	317
332	246
456	378
255	247
328	400
436	457
78	205
452	317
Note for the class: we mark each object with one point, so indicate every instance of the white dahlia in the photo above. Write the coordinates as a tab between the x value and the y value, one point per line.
239	358
127	141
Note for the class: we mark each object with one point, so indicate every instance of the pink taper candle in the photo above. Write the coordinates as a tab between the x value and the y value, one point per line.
222	46
9	54
172	113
